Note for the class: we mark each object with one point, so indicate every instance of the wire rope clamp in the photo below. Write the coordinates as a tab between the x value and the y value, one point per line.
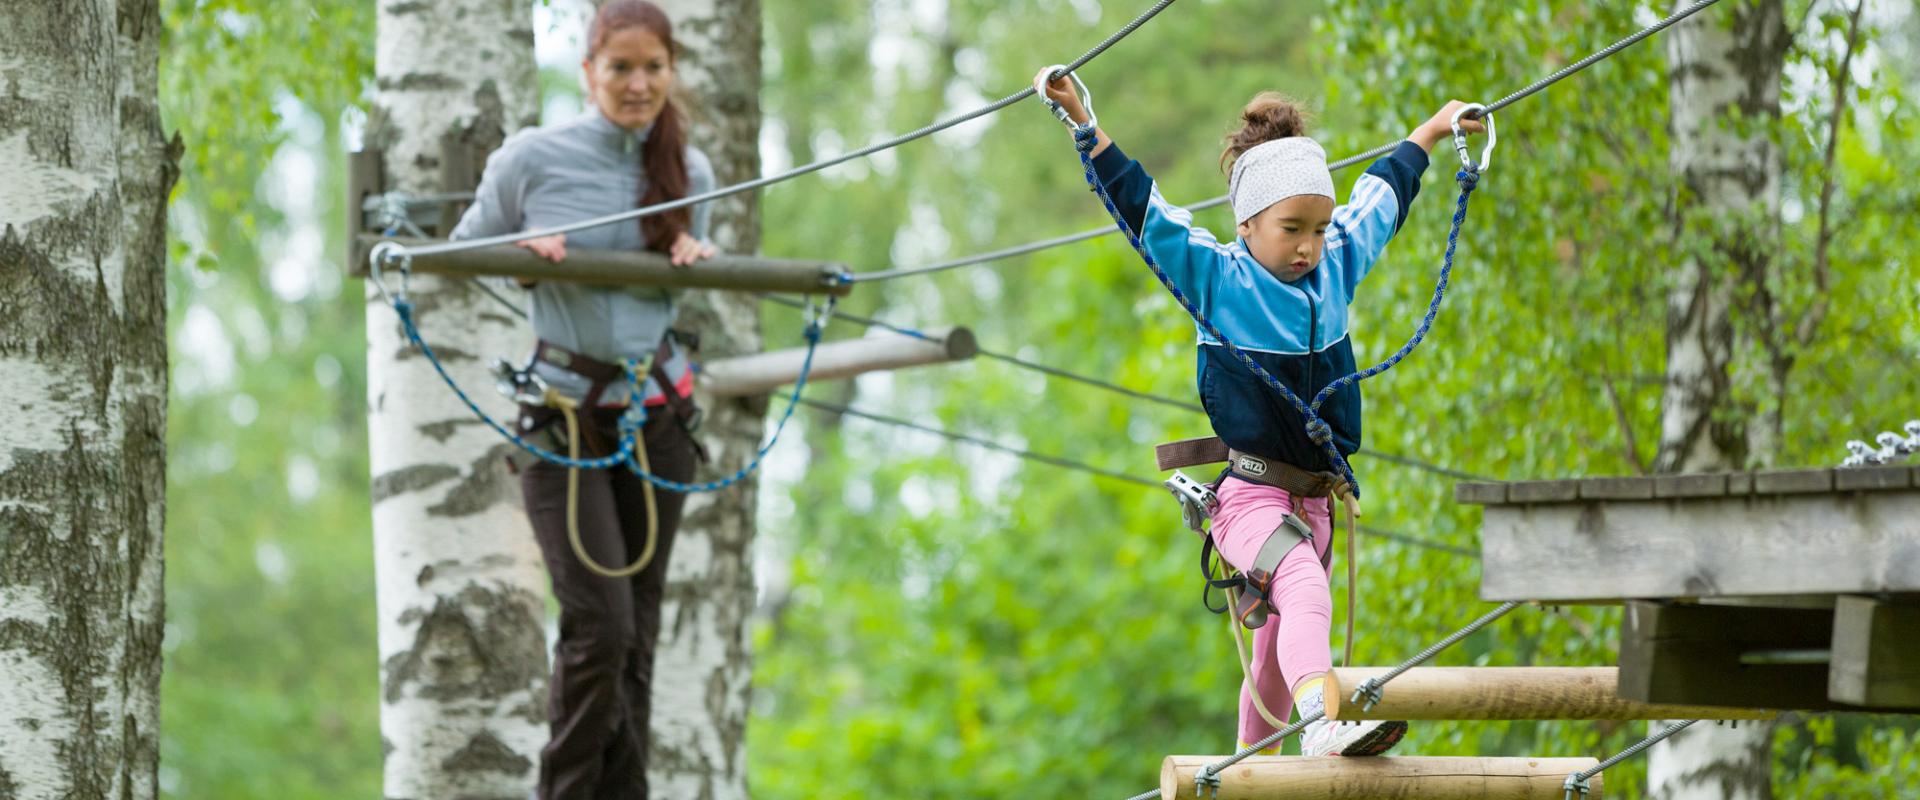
1577	783
1206	783
1056	72
1368	694
1479	112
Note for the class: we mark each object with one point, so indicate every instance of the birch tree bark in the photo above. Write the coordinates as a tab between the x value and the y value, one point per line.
83	373
703	667
460	586
1725	78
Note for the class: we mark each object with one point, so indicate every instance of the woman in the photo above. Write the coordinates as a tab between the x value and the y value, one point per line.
629	148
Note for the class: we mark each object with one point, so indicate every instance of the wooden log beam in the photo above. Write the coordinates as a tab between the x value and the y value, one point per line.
1507	693
630	268
761	373
1875	653
1427	778
1767	534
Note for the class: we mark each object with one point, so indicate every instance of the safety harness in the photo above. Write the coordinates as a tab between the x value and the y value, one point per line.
539	402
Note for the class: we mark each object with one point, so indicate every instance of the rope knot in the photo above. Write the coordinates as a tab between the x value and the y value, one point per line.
1084	140
1467	178
1319	431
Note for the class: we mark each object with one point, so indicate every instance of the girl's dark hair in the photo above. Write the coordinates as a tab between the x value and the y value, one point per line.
665	153
1269	116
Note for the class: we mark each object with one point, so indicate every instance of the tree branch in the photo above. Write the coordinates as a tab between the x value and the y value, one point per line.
1809	322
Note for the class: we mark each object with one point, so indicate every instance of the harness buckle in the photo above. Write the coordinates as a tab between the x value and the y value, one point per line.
522	385
1197	501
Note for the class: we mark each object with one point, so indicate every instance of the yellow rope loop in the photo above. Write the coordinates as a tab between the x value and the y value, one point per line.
568	408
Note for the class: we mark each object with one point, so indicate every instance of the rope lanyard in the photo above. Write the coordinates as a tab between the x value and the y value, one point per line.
1317	429
630	422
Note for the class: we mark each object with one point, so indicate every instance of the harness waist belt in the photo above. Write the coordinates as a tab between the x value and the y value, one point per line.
1284	476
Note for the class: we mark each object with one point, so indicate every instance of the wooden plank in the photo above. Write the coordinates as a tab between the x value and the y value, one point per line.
1427	778
1543	491
365	178
1190	453
1704	655
761	373
1616	488
1505	693
1760	545
634	268
1876	653
461	164
1480	494
1868	479
1739	483
1693	485
1793	481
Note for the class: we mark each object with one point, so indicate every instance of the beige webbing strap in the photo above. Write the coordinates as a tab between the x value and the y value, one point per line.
1353	570
1246	673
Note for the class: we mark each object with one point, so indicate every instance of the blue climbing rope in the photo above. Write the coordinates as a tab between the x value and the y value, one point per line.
630	422
1084	138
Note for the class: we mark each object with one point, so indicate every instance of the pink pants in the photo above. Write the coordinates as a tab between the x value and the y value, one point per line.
1294	642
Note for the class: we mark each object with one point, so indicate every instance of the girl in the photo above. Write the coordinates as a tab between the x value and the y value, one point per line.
1280	292
629	148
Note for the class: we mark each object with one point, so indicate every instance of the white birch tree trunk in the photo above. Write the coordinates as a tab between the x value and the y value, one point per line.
703	667
460	585
1725	77
84	177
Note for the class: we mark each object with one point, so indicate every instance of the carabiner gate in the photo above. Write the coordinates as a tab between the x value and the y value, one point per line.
1481	113
1086	101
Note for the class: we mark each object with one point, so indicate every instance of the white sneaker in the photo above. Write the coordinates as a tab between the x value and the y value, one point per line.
1370	738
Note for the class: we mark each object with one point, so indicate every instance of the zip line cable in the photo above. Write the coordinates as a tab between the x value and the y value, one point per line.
1057	372
1078	466
1530	90
744	186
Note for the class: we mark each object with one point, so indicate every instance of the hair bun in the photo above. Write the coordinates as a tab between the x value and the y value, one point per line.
1269	116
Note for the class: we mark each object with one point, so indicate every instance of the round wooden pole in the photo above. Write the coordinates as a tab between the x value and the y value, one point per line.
1506	693
633	268
1334	778
761	373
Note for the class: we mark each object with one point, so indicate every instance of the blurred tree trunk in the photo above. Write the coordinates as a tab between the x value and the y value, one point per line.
84	176
703	668
1725	70
460	586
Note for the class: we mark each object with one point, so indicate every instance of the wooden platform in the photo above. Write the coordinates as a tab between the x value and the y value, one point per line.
1793	589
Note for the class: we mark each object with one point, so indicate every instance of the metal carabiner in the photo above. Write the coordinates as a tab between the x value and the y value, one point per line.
390	252
1481	113
1086	101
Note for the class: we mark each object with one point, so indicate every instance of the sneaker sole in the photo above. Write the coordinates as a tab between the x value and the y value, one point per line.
1380	740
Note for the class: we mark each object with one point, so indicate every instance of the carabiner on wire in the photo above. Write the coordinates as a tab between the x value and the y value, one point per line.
383	255
1481	113
1086	101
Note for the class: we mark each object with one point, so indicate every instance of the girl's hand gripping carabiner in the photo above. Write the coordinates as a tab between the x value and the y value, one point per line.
1043	86
1480	113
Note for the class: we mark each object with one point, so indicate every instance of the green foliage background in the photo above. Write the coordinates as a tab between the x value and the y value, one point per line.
948	622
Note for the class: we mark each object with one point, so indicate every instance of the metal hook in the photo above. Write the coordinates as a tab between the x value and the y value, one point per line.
1057	72
1481	113
386	253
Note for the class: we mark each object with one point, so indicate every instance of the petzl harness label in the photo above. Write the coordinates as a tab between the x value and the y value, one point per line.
1250	465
